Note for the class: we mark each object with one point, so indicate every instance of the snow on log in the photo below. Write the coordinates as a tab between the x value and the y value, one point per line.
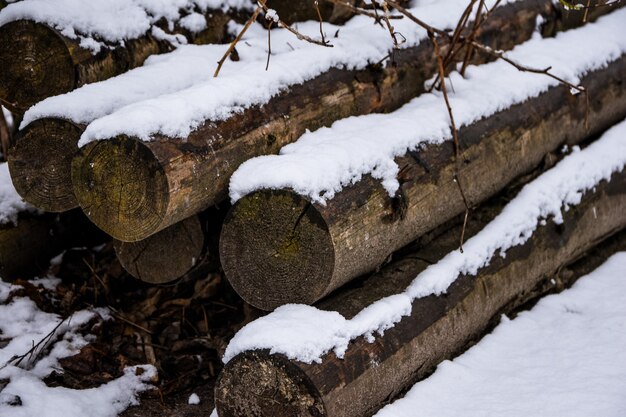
28	239
52	47
303	361
283	246
170	176
185	249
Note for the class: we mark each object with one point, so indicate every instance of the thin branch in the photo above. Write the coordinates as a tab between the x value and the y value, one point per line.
319	16
299	35
455	133
360	11
420	22
269	45
232	45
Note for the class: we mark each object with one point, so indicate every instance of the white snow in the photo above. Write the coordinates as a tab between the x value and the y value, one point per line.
11	204
97	23
161	74
321	163
565	357
193	399
22	326
305	333
245	83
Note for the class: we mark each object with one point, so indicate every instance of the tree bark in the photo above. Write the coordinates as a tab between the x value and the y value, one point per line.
26	248
173	178
188	248
257	383
278	247
38	62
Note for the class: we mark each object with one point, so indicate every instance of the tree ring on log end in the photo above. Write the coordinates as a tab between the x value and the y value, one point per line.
256	383
36	64
41	164
165	256
276	248
122	187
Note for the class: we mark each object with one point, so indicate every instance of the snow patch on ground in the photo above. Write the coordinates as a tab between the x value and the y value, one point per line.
96	23
321	163
22	326
305	333
565	357
245	83
11	204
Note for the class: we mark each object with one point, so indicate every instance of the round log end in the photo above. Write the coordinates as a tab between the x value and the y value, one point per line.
276	249
40	164
259	384
121	187
36	64
165	256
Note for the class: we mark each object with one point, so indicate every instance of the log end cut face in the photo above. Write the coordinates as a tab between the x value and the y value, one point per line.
257	384
165	256
276	249
40	164
121	187
36	63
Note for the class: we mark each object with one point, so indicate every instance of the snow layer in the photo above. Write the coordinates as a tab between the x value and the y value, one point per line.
565	357
161	74
305	333
321	163
96	22
244	83
23	325
11	204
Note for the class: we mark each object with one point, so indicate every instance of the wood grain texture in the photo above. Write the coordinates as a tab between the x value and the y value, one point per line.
185	176
362	225
40	163
438	328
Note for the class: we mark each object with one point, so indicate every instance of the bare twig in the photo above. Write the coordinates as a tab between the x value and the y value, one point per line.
237	39
360	11
269	45
299	35
455	133
319	16
415	19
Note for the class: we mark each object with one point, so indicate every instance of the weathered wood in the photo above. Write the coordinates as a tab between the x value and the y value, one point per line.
277	247
296	11
26	248
40	163
173	178
257	383
38	62
188	248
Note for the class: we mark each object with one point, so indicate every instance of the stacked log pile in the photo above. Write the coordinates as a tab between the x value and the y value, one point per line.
162	195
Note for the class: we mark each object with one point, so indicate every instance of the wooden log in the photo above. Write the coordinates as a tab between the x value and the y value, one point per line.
169	179
40	163
27	247
278	247
186	249
38	62
296	11
257	383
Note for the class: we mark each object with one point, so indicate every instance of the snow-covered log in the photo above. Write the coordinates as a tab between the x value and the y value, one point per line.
168	178
44	53
279	247
325	364
185	249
